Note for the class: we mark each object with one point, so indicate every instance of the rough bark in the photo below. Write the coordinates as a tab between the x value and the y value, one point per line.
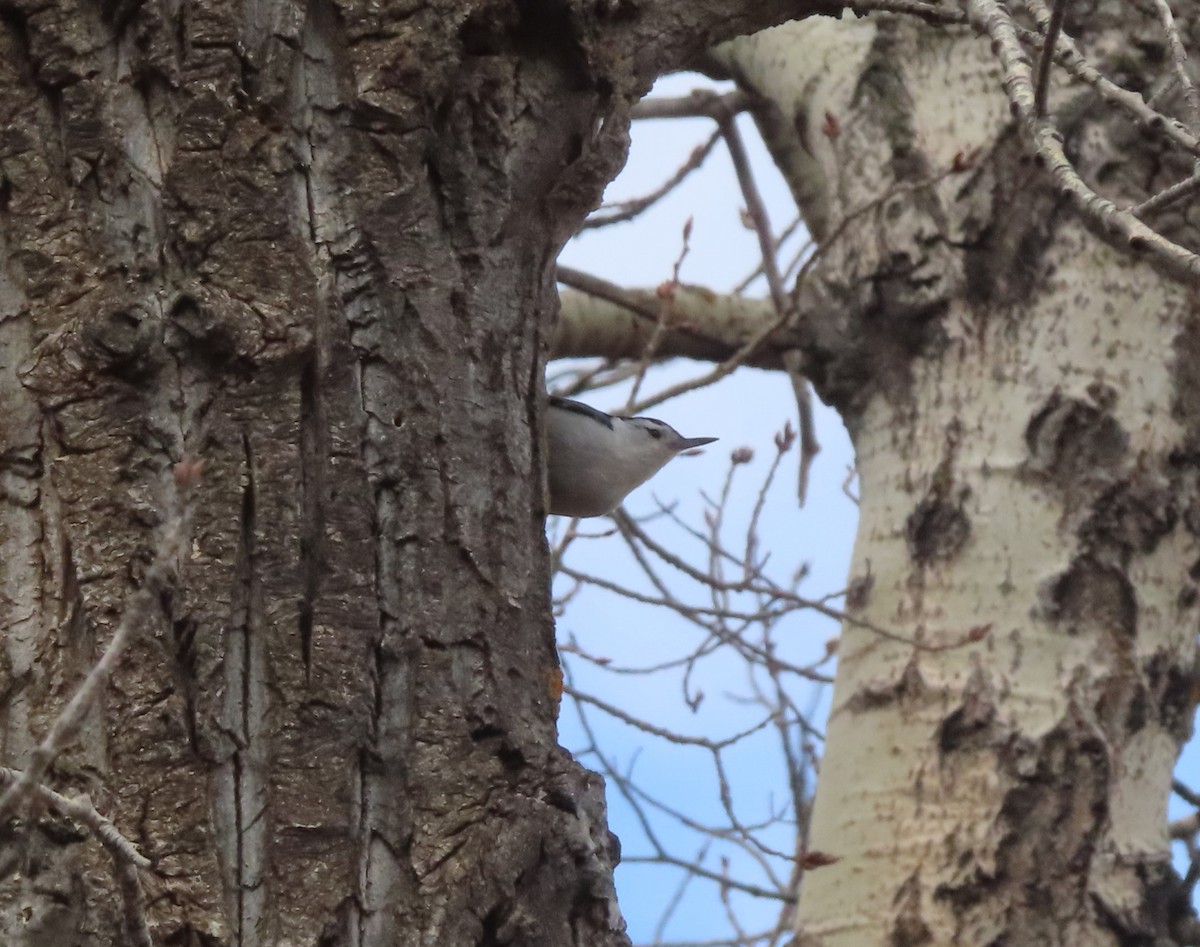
312	244
1023	403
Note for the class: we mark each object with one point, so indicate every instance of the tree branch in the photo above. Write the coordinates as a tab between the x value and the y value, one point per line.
603	319
990	18
66	726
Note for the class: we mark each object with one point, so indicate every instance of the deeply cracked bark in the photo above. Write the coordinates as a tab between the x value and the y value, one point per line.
310	243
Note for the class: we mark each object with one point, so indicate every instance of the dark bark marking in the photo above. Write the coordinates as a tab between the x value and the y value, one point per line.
188	936
908	688
124	342
1133	516
1089	596
16	22
1172	693
909	928
881	92
1050	822
1073	443
858	591
493	924
183	637
205	336
936	530
970	724
314	452
1004	263
938	527
1185	403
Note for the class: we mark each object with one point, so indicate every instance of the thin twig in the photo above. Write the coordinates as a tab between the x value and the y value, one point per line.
133	900
1170	195
80	809
723	368
127	860
1179	59
992	19
1077	65
677	898
627	210
755	890
137	612
702	103
793	361
757	210
1046	60
1188	795
759	270
626	523
930	12
663	734
624	786
666	316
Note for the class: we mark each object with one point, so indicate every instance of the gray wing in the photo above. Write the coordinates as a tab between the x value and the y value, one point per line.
566	404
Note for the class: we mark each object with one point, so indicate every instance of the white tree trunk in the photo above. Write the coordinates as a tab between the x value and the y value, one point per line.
1031	500
1007	713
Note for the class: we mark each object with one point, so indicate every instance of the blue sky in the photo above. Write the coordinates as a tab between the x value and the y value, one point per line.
745	410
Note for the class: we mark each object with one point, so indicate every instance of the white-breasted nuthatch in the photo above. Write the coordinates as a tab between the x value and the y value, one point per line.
594	459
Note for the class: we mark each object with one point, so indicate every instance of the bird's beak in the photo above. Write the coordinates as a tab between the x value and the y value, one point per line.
691	442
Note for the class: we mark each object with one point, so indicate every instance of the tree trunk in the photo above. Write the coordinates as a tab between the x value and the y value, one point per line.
311	245
1020	671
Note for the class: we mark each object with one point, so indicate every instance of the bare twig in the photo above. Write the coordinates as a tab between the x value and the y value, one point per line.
133	900
627	210
793	361
1179	59
80	809
661	732
757	210
677	898
930	12
1070	58
1176	192
992	19
666	315
127	860
137	612
1046	60
1190	796
759	270
699	104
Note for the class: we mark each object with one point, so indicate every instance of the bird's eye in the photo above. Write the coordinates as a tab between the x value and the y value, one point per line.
656	433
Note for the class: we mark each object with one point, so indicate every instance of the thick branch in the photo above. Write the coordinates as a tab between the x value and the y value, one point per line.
668	35
603	320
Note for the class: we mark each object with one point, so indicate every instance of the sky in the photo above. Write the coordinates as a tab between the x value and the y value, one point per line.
746	409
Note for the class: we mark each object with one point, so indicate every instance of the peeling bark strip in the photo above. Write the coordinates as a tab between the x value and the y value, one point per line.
1025	411
310	243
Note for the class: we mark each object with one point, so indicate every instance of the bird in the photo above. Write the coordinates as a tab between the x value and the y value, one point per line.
595	459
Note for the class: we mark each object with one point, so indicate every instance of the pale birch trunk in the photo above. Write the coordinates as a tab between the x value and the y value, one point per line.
1024	406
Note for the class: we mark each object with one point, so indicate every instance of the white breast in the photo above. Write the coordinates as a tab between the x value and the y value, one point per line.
592	468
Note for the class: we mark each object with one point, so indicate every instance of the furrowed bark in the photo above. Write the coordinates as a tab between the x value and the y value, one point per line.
311	244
